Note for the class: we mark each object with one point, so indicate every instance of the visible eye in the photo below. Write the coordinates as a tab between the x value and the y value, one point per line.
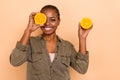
52	19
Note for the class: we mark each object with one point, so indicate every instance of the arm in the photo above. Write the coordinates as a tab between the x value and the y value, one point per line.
80	60
30	28
82	35
20	54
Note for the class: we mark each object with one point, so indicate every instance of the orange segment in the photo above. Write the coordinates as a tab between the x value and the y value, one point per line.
40	18
86	23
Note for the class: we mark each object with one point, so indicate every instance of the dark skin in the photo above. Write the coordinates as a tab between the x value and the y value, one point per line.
49	31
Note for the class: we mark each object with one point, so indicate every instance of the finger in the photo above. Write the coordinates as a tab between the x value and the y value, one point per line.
87	31
79	30
34	27
40	25
33	13
89	28
79	26
37	27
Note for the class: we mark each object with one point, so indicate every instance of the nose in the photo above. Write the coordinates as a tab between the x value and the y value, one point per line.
47	22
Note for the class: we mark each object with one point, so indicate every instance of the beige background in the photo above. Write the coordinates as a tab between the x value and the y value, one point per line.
103	41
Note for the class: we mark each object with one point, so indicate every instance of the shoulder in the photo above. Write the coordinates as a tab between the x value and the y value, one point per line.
34	37
66	42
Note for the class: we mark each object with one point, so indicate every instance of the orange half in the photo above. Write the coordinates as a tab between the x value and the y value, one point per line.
86	23
40	18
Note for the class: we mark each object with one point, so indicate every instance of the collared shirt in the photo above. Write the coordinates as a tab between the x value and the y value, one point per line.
40	67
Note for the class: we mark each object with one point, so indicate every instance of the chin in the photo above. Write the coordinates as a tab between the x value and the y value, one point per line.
48	33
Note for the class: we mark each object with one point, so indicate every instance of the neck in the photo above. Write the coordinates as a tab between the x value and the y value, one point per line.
50	37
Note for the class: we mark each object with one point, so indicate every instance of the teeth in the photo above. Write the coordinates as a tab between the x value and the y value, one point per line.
48	28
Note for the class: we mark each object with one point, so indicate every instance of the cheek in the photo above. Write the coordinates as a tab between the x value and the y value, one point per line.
55	24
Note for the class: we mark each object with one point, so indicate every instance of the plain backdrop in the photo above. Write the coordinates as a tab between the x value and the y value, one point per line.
103	42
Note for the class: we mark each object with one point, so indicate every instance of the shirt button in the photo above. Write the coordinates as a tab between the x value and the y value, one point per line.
50	66
55	58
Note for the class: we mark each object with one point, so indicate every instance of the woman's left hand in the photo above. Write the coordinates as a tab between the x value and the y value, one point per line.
82	33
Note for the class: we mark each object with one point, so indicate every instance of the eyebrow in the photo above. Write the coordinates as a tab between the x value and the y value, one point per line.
52	17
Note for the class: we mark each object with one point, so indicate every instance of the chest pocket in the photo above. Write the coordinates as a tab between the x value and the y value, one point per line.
35	61
65	60
35	57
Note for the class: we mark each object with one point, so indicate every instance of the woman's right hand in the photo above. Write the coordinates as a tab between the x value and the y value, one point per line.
31	24
30	28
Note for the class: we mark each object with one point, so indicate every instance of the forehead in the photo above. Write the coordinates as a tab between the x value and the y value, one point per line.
49	12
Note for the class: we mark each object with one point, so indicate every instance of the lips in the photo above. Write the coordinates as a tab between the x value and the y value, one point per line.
47	28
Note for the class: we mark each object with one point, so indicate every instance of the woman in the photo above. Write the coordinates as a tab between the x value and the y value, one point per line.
48	55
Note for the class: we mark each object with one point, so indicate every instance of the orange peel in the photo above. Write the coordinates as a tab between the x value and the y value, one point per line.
40	18
86	23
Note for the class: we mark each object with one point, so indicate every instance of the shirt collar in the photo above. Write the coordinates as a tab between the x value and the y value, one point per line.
59	39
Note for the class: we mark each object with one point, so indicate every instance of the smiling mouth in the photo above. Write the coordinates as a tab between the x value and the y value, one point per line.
47	28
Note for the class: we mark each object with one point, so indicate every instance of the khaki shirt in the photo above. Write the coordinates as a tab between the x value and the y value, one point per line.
39	66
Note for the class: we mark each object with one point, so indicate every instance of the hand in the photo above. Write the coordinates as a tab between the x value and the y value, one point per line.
31	24
82	33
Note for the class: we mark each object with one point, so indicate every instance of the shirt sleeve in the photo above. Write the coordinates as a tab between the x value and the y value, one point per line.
19	54
79	61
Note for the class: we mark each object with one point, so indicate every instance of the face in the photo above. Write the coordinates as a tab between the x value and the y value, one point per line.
51	23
